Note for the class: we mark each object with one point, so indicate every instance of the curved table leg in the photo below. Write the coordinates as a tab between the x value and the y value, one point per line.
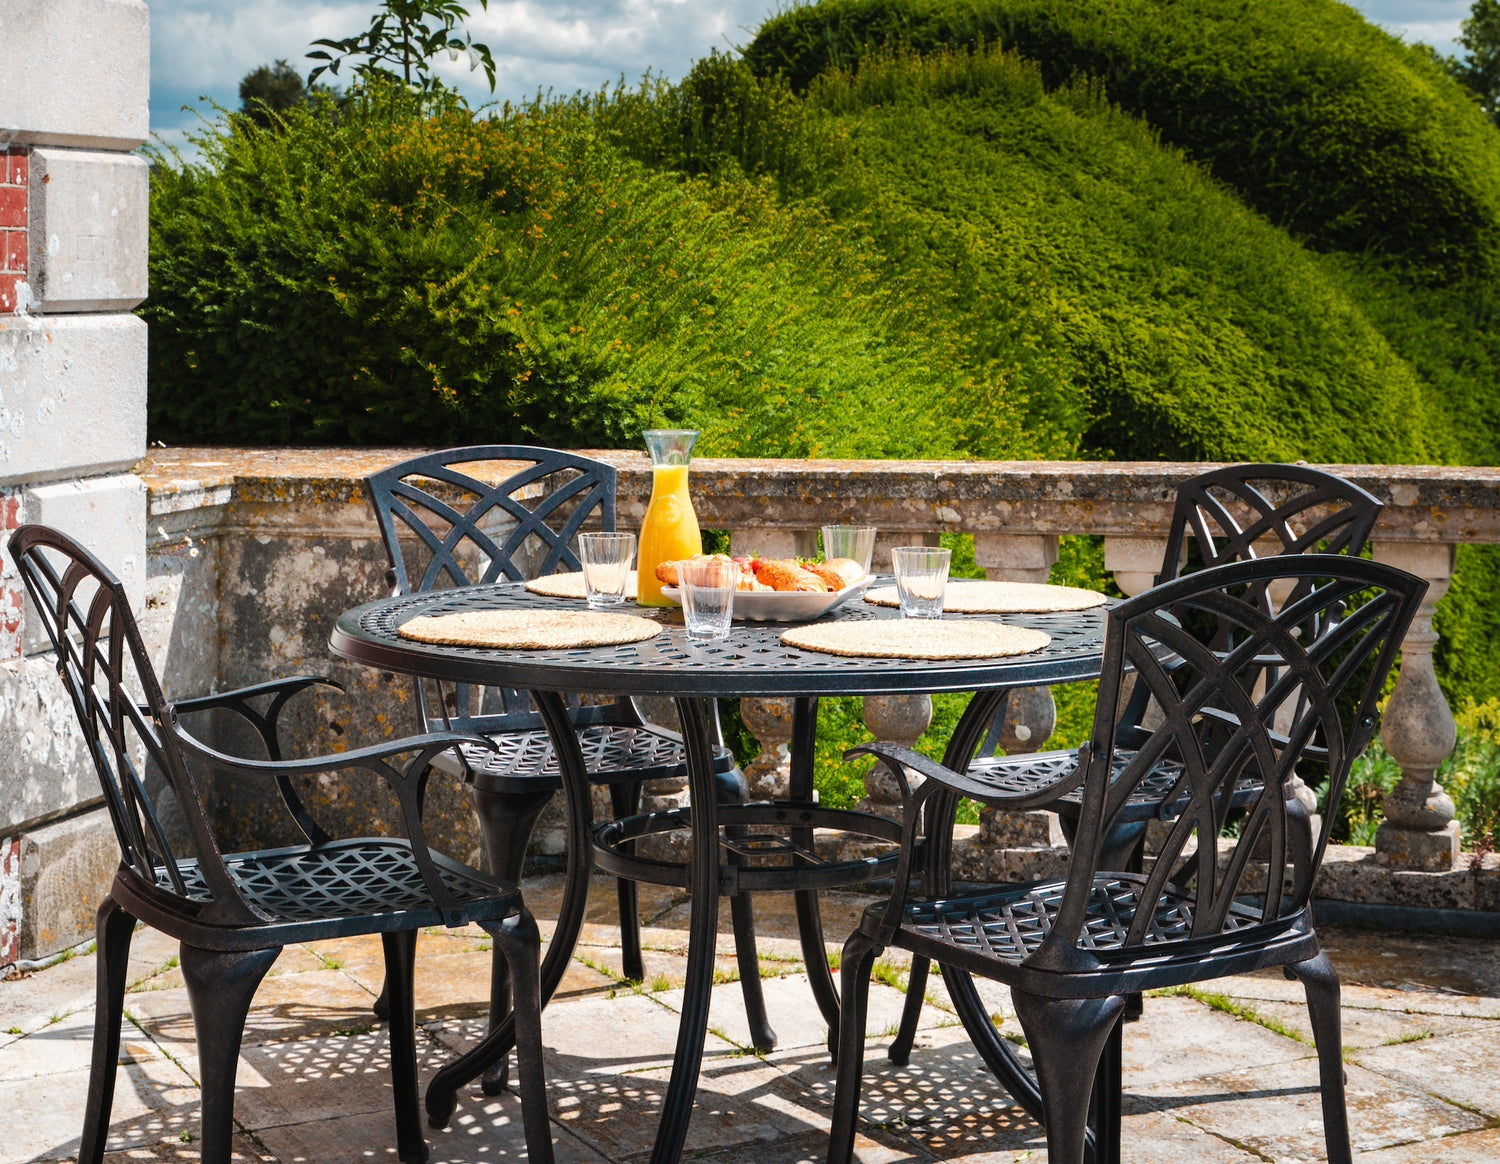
704	884
972	727
809	915
570	912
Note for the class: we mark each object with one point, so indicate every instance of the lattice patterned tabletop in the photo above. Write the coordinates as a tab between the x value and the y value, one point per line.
752	661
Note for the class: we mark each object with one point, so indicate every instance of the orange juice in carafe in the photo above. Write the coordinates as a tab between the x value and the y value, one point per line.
670	529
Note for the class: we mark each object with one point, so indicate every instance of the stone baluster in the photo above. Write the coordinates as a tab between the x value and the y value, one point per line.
1030	712
1419	830
901	719
770	720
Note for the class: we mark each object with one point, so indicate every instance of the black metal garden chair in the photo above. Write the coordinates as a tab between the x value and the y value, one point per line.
1223	663
445	525
1234	514
233	912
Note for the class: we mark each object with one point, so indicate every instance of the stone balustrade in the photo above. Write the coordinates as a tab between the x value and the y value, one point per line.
293	541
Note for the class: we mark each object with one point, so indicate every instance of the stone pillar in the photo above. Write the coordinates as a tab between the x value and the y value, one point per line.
73	238
1030	712
1419	830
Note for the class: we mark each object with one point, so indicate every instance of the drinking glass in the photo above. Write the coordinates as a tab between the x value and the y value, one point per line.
850	541
921	575
706	589
606	559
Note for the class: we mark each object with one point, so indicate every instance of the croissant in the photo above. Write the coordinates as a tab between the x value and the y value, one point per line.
779	574
837	572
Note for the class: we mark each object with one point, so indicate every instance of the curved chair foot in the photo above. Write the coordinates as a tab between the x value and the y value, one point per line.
220	985
113	927
859	958
911	1011
1322	985
442	1102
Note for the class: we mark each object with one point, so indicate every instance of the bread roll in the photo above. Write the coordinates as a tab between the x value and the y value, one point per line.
779	574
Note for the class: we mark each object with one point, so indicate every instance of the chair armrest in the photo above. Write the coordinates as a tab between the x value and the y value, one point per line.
898	758
267	726
238	701
371	757
408	782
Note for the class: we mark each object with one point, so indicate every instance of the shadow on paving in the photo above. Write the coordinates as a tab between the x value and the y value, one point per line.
1220	1076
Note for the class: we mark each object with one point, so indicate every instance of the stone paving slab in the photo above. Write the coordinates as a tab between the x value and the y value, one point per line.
1276	1110
1207	1081
1463	1069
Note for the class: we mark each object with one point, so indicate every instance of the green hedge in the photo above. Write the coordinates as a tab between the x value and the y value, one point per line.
1134	307
399	274
1327	125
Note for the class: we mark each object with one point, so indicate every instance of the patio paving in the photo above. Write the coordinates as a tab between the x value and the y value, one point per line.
1221	1076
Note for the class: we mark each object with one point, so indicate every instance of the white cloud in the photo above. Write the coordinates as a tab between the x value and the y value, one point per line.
204	47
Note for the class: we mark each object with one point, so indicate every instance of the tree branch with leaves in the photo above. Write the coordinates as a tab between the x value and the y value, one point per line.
402	39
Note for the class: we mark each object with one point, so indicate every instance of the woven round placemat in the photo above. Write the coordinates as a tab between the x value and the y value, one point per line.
571	585
1000	598
917	638
538	630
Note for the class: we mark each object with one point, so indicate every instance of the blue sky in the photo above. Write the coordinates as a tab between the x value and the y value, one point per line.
201	48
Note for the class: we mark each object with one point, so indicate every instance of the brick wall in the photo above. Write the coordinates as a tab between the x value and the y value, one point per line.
14	168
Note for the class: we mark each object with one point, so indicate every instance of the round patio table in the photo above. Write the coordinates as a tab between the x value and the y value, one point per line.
728	854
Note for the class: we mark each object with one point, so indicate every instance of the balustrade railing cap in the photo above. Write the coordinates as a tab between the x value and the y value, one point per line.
1425	503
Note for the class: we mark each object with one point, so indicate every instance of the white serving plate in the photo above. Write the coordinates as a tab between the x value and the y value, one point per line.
784	605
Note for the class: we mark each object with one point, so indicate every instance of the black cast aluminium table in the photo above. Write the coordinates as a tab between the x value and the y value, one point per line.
731	850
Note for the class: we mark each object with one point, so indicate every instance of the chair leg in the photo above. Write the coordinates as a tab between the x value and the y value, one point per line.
113	927
505	822
518	942
382	1004
220	985
625	800
854	1005
1322	985
911	1011
1067	1037
399	948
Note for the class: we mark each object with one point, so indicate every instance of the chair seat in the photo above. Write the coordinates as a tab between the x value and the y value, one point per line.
1032	772
611	752
347	881
1001	927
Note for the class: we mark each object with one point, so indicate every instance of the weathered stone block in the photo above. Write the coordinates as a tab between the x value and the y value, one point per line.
1435	851
45	767
1017	830
76	73
72	396
107	515
89	230
66	870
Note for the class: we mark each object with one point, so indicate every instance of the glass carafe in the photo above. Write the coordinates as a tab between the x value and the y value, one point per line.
670	531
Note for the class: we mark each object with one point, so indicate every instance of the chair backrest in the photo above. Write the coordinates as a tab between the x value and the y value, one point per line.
103	664
1329	651
1242	512
446	522
475	515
